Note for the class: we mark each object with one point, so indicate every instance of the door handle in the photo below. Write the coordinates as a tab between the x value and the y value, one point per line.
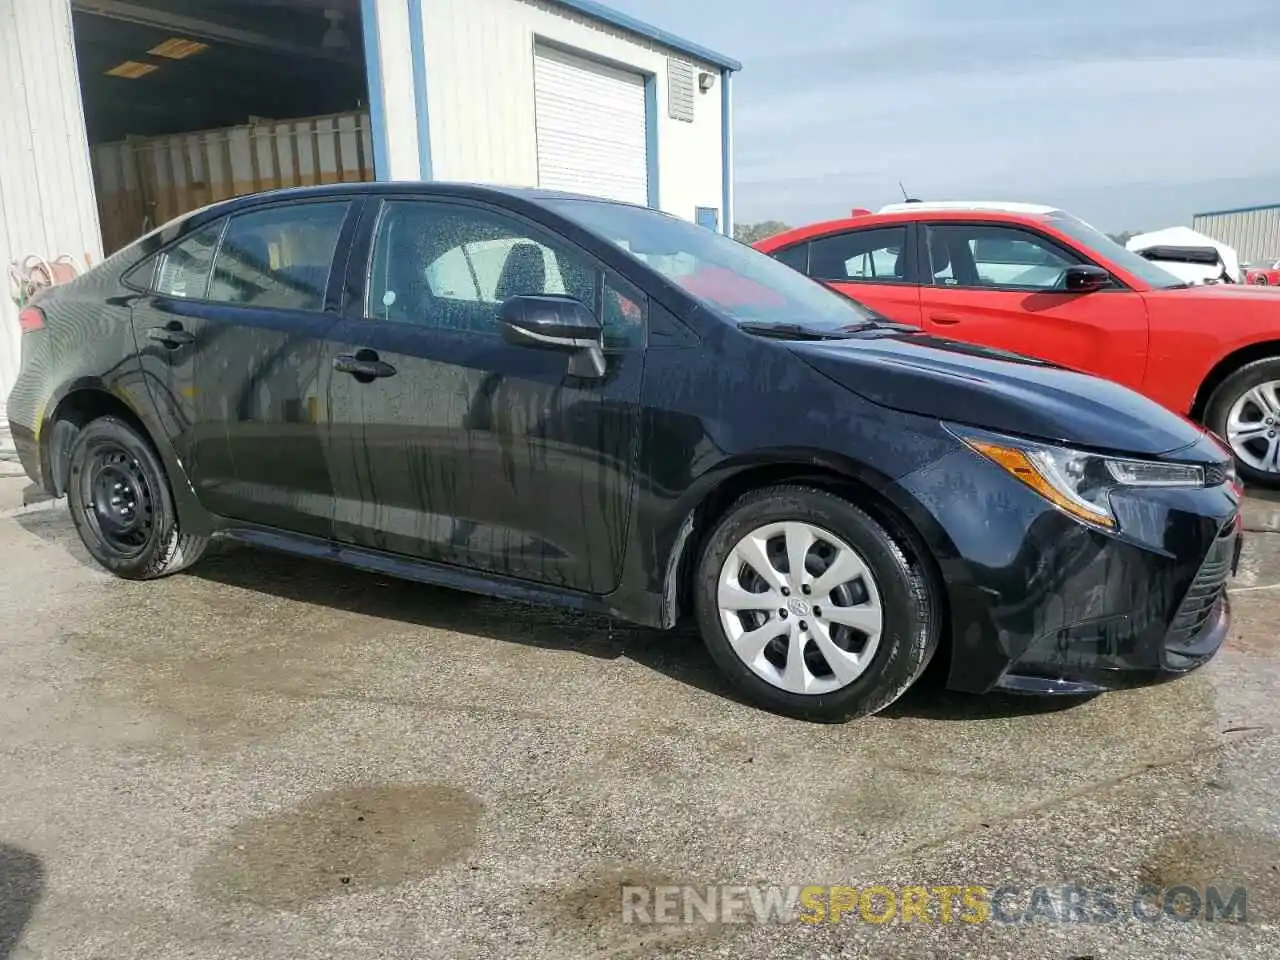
364	366
173	336
943	319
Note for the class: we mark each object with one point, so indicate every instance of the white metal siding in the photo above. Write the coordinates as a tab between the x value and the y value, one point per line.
396	71
480	66
590	122
46	187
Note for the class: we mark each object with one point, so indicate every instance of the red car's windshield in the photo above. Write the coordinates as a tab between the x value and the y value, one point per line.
1122	257
735	279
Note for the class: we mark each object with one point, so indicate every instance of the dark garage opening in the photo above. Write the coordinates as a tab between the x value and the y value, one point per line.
188	102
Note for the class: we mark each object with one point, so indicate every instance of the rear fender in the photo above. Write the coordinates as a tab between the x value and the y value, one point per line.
54	443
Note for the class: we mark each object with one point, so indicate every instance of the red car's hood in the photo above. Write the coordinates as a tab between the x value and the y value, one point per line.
1221	291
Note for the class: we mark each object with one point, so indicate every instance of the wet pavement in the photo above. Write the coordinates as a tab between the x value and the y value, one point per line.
271	757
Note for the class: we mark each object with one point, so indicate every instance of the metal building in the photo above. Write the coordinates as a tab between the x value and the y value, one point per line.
1254	232
120	114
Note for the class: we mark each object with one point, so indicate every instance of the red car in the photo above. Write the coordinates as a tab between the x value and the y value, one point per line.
1037	281
1266	273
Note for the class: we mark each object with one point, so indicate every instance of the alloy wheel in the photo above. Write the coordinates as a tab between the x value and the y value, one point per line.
800	607
1253	427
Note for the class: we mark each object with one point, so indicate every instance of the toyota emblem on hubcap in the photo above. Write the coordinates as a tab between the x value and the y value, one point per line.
798	607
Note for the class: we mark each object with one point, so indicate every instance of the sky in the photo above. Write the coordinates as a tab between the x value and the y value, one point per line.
1132	114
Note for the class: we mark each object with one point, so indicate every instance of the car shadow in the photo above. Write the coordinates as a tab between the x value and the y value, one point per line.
21	887
678	654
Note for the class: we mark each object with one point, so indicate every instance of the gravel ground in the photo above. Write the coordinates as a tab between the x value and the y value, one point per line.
269	757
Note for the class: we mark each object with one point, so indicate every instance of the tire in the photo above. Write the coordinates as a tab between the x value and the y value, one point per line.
1260	280
141	542
1218	411
909	601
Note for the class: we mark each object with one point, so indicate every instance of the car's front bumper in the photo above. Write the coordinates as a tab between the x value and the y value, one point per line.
1042	603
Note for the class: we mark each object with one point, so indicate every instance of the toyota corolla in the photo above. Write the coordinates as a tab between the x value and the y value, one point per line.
572	401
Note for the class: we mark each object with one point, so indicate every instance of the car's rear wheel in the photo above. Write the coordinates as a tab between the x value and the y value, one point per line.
1260	280
121	505
812	608
1245	411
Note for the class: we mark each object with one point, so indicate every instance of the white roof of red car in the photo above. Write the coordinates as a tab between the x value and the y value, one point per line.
1001	206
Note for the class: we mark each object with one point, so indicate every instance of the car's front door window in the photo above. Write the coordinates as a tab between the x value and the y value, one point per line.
450	266
995	257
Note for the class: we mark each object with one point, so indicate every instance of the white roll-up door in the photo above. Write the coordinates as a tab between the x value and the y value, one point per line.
591	126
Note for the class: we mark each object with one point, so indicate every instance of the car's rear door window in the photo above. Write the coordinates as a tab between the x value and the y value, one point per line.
862	256
796	257
278	257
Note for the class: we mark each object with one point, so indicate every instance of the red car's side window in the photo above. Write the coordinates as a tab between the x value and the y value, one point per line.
877	255
995	257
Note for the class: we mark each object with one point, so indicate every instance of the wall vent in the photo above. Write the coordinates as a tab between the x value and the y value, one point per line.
680	88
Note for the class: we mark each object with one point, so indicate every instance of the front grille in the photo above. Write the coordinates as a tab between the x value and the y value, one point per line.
1204	595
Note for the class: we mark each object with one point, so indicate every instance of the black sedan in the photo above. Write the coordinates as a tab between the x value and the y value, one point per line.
572	401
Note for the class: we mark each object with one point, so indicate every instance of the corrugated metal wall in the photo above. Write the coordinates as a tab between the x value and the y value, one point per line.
46	188
1255	234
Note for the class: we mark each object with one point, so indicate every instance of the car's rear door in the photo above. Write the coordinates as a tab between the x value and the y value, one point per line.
1002	285
467	449
873	265
232	339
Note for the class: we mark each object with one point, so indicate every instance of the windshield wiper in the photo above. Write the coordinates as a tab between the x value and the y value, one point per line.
797	331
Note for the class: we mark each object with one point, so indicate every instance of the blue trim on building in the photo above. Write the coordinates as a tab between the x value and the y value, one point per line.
601	12
373	76
1217	213
726	152
651	140
418	53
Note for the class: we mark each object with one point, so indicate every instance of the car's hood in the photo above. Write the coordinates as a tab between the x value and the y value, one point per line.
1235	292
963	383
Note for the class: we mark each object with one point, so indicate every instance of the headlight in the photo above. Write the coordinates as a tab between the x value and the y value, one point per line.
1074	481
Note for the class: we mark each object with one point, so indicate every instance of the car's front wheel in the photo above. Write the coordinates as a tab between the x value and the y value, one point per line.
121	505
811	607
1245	411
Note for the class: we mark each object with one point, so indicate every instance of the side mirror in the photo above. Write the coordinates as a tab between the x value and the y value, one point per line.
1085	278
552	322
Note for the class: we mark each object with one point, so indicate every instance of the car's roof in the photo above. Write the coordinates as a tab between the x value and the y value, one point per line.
425	188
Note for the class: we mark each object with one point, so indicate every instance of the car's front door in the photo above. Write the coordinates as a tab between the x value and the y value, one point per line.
466	449
873	266
232	339
1003	286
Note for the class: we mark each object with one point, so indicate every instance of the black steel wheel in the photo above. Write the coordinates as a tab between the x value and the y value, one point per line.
121	506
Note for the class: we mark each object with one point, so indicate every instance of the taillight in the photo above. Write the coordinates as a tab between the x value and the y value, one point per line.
31	319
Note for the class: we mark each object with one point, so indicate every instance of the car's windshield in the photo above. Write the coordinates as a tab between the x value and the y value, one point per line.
744	284
1118	254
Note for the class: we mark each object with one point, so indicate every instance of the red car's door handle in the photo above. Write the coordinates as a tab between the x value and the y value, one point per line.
943	318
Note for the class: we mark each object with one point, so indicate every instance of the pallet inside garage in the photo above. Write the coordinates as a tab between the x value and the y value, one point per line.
144	182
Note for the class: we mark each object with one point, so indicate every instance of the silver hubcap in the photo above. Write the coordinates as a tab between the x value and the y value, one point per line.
1253	427
800	607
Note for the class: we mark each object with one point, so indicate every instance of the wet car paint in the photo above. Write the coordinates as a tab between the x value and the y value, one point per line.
486	469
